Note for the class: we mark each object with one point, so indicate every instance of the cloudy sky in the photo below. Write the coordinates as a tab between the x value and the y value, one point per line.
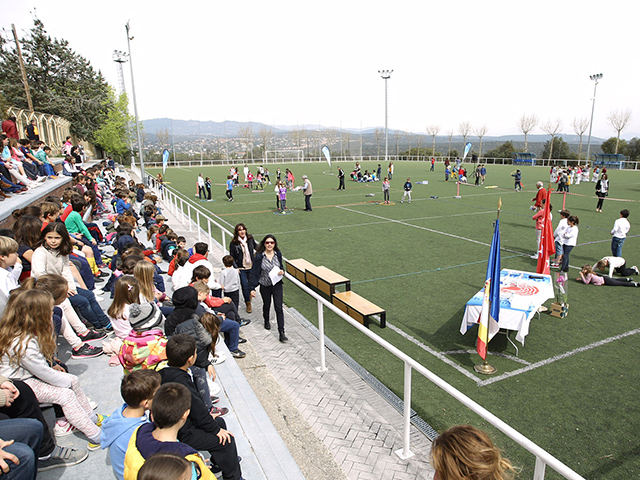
285	62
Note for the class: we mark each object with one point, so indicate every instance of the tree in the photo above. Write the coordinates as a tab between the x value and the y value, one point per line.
526	123
379	135
618	120
61	82
266	134
559	147
551	127
633	149
113	135
465	129
481	132
503	151
163	137
580	126
433	130
397	135
450	135
246	134
614	145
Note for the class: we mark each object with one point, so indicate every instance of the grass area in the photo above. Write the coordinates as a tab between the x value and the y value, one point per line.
423	261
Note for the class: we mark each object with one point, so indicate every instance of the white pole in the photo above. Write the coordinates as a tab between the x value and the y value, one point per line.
405	452
323	363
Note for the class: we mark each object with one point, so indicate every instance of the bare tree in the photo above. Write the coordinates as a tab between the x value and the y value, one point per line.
481	132
580	126
419	142
450	135
379	135
346	136
163	137
465	129
246	134
526	123
551	127
266	134
433	130
397	135
619	120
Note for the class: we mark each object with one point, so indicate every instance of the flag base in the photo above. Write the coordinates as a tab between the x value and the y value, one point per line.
485	368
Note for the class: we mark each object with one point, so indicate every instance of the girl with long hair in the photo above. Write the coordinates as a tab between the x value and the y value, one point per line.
242	249
127	292
27	348
52	257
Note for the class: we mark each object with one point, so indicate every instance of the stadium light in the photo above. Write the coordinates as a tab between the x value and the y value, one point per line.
386	74
135	109
595	78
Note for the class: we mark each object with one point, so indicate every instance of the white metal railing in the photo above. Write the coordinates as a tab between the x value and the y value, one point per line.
351	159
170	198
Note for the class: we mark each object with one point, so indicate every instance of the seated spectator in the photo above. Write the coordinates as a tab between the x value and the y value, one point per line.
144	348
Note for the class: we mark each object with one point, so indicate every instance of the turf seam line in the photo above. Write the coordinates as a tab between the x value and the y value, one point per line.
555	358
395	401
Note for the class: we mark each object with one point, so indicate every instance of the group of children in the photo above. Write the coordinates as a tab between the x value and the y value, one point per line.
50	265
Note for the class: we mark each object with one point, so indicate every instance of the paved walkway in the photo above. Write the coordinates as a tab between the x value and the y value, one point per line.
334	424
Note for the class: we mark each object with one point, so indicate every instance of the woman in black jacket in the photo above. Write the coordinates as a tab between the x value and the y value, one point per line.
269	259
242	249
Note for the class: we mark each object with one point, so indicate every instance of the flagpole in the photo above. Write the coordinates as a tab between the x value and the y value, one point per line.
484	368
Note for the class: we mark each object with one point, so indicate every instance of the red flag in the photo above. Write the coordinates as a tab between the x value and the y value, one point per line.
547	245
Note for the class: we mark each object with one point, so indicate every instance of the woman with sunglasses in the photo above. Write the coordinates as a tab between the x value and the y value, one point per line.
267	272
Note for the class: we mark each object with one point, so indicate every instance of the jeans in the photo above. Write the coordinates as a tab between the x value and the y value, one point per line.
83	267
564	267
86	305
231	330
616	246
275	292
244	284
27	434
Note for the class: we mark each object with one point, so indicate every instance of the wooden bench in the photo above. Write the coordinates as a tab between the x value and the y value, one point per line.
359	308
297	268
325	279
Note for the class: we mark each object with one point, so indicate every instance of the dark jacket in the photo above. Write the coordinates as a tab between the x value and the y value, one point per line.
254	276
185	302
199	417
235	250
194	328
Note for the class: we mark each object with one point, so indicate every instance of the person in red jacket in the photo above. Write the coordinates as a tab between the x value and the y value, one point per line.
9	128
540	195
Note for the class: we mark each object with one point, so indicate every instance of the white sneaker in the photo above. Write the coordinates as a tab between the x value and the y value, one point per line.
218	358
41	179
62	428
535	257
93	404
214	388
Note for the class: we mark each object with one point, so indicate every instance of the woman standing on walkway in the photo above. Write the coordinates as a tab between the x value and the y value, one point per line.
602	191
268	259
242	248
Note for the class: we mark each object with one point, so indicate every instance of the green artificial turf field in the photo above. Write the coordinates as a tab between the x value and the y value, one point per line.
574	387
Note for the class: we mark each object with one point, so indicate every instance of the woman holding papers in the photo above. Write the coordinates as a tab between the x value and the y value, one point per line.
267	272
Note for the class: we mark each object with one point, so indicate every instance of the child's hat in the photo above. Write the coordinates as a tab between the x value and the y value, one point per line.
144	316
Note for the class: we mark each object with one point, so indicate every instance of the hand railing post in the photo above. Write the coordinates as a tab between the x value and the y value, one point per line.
224	240
198	222
538	473
209	231
323	363
405	451
182	209
189	217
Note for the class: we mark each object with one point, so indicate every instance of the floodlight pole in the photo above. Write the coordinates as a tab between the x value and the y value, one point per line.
386	74
135	109
595	78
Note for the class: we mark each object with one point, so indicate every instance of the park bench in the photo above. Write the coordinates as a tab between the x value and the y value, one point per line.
359	308
297	268
325	280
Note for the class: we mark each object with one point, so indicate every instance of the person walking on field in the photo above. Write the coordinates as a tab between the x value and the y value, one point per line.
307	190
407	190
620	229
201	192
341	178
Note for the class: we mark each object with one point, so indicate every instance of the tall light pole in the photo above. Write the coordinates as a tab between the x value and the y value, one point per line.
595	78
135	109
386	74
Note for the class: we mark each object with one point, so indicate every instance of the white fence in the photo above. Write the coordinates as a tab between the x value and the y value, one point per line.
350	160
204	224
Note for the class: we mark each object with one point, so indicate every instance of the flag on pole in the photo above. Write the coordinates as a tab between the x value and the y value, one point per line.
467	149
547	245
165	160
489	316
327	154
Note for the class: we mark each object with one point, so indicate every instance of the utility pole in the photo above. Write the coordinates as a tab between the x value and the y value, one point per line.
386	74
24	72
135	110
595	78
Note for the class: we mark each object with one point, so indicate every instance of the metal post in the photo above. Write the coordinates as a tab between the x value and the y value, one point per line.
405	451
595	78
182	210
224	240
198	222
135	109
209	230
386	74
189	217
323	362
538	473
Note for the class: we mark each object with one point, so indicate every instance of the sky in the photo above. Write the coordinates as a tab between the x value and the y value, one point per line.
285	62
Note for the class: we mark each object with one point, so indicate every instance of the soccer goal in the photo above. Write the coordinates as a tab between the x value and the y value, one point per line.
280	156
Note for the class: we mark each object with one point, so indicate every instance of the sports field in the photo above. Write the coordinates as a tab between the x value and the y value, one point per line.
574	387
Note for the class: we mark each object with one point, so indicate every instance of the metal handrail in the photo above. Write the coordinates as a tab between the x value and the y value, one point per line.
543	458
